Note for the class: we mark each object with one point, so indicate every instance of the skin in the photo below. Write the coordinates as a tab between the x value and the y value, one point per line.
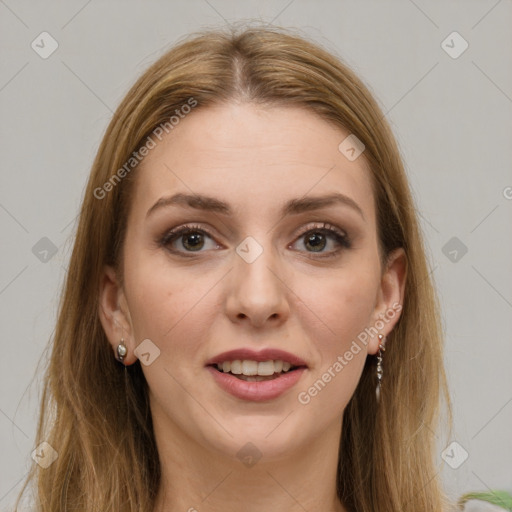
291	298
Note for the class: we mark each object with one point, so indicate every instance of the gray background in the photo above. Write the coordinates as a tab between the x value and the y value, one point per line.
451	116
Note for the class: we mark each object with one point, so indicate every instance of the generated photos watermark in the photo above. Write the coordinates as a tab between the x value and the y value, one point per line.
304	397
137	156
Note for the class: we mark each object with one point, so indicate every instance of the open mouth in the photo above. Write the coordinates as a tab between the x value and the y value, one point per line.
253	371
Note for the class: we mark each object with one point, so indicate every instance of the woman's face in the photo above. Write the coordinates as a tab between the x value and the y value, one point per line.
265	266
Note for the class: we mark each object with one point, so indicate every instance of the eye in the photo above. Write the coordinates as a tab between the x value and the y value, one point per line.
187	239
319	237
193	238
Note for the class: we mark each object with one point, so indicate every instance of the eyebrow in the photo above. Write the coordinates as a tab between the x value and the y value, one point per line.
292	207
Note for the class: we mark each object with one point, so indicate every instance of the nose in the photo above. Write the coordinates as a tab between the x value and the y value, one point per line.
257	291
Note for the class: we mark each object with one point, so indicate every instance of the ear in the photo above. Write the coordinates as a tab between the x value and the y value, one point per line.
114	314
390	297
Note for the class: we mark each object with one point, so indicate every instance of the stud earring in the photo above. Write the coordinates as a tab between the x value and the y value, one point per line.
121	351
382	341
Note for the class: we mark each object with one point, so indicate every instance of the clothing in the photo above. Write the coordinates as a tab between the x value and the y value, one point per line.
481	506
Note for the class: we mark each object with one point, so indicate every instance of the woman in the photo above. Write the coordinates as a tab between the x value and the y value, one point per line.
248	321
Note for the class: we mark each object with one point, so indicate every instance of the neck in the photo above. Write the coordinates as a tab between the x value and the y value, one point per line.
195	478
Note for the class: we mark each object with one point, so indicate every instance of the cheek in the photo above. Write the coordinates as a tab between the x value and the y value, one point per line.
345	307
338	309
167	305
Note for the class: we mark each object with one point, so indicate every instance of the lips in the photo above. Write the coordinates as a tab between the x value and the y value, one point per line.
256	389
259	356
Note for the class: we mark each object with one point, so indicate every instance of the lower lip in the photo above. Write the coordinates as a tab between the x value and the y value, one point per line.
256	391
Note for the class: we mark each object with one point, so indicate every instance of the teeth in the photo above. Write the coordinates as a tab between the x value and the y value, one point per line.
265	368
235	367
254	368
249	368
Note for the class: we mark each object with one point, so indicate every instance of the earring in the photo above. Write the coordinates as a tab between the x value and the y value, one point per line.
121	351
382	341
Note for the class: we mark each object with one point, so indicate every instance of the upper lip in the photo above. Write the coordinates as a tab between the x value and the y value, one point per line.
267	354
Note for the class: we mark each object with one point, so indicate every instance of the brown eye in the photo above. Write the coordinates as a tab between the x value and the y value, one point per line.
192	241
187	239
317	241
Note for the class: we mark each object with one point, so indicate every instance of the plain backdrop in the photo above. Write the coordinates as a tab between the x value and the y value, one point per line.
449	106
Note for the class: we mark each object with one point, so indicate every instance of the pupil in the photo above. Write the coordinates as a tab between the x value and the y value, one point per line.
196	238
316	240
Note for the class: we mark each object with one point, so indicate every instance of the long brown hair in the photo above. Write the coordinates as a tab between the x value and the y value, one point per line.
95	414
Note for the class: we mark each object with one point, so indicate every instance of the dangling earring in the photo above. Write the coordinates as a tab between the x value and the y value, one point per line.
121	351
382	341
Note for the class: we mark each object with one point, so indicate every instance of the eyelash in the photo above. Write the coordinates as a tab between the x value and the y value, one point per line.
327	229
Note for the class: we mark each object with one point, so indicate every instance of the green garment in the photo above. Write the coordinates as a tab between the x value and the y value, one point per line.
501	499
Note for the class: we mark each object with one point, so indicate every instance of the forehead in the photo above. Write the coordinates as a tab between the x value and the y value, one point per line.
254	158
